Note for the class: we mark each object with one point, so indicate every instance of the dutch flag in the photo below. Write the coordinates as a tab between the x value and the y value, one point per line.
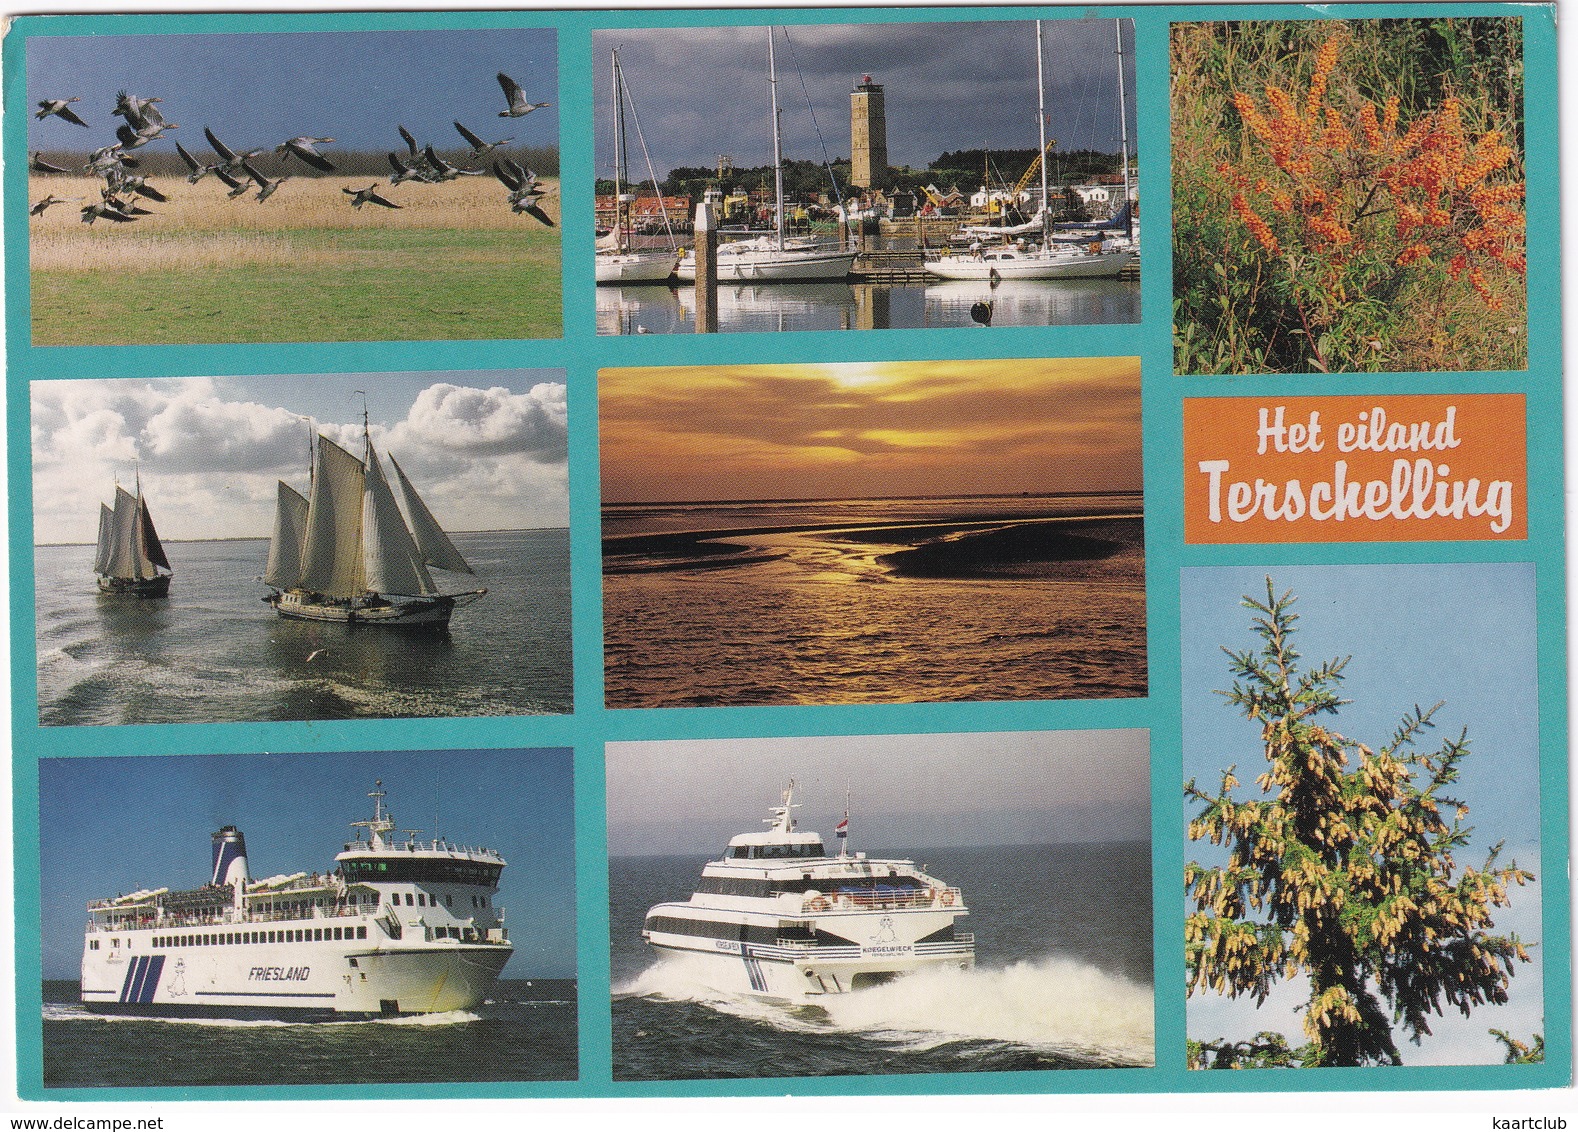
842	828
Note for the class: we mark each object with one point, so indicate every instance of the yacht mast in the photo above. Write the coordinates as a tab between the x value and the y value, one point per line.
1041	123
1123	119
778	157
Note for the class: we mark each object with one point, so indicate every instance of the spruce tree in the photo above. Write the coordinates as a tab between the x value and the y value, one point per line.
1341	869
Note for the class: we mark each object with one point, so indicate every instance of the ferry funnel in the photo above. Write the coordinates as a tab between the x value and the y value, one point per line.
230	857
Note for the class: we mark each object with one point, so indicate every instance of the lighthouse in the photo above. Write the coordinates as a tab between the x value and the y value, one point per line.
868	136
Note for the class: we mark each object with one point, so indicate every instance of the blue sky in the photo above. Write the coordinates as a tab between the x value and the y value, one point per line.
260	89
947	86
906	791
1462	633
114	825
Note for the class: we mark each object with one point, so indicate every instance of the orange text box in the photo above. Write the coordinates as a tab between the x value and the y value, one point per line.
1355	469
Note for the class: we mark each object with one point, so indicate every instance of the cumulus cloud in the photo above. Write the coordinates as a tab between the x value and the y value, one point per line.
483	458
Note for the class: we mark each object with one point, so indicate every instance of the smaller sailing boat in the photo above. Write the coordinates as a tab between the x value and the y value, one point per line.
345	552
1095	260
130	558
617	262
775	258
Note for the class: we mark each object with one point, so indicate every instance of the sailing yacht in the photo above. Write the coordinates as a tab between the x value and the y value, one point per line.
130	559
775	258
345	552
616	262
1048	260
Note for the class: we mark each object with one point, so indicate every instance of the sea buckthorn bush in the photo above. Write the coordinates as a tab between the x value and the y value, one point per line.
1348	196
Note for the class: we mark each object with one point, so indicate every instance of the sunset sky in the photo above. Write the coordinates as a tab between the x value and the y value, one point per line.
870	429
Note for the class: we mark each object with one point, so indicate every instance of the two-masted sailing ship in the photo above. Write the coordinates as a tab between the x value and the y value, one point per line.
130	559
344	552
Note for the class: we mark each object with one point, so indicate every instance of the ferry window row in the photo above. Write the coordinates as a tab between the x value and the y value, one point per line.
890	887
761	852
286	935
422	871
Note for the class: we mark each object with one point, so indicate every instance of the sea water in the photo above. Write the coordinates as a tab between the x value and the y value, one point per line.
525	1031
214	652
659	309
812	606
1063	979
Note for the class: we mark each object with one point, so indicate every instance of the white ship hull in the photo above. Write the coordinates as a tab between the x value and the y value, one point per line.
1032	265
635	267
772	266
300	980
838	951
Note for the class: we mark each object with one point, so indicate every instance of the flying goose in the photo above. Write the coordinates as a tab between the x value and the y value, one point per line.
229	160
524	189
92	212
306	149
38	209
408	172
443	170
36	162
369	195
60	108
101	161
516	97
198	169
478	146
265	186
237	186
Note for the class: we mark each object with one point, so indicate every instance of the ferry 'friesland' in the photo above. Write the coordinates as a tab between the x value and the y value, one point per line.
400	926
779	917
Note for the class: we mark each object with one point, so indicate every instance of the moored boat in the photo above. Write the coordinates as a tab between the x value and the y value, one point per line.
399	926
774	258
616	261
347	554
130	559
1047	260
777	916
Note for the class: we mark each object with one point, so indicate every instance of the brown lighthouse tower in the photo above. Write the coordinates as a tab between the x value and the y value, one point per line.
868	136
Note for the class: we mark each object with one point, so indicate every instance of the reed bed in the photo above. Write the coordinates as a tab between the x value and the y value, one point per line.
452	262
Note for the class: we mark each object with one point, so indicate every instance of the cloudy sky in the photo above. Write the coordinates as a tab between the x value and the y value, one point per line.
295	811
1417	634
700	92
259	89
869	429
487	450
906	791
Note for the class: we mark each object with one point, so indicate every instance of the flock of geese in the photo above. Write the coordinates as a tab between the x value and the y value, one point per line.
124	191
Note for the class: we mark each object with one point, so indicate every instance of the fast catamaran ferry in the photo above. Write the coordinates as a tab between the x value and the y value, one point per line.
777	916
400	926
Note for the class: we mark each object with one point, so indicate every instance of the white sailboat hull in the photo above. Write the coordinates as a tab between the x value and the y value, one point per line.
773	266
635	267
1032	265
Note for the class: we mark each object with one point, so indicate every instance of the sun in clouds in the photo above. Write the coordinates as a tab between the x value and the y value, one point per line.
869	430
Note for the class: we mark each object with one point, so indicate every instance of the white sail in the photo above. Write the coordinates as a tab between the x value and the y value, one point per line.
392	563
431	540
290	533
101	560
332	558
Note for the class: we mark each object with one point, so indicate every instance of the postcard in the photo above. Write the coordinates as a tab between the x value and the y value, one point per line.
891	552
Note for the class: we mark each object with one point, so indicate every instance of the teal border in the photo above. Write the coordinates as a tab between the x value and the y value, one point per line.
580	353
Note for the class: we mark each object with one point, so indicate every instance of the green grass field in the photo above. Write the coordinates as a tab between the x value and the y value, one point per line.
453	264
